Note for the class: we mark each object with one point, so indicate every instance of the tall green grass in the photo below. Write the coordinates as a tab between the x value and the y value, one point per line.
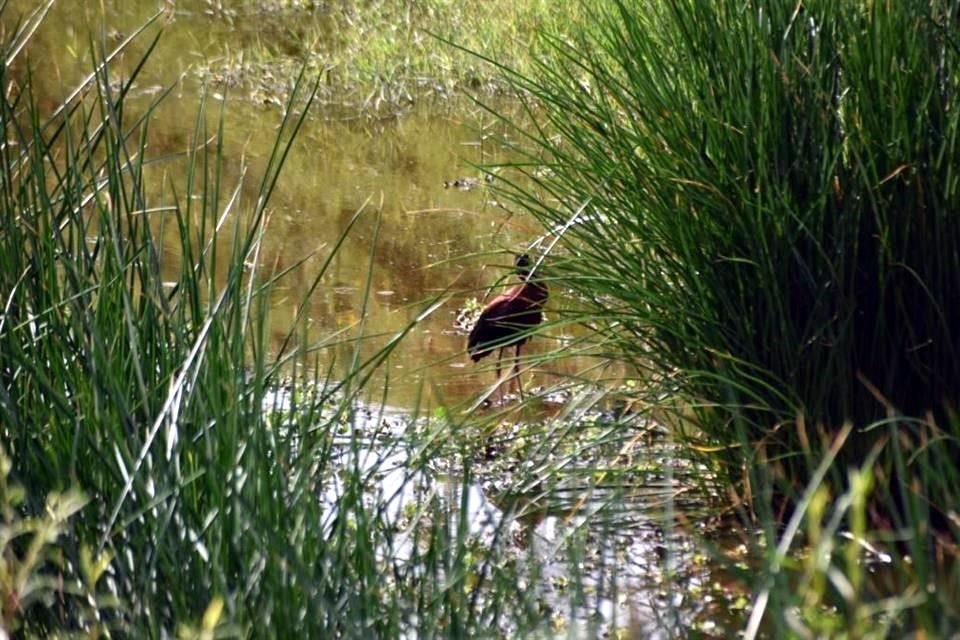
764	205
780	182
233	486
770	199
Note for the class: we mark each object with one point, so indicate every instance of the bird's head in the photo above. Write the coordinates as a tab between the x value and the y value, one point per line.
522	264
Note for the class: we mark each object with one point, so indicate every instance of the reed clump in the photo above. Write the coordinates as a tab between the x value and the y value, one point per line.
757	203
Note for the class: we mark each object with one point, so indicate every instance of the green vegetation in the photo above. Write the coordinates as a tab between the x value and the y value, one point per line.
378	58
778	183
223	495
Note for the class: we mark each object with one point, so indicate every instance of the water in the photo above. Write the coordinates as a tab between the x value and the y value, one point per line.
430	240
600	555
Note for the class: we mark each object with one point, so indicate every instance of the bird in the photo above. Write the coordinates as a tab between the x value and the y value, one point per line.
508	319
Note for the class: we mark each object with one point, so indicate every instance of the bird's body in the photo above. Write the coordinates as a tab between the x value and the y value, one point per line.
508	319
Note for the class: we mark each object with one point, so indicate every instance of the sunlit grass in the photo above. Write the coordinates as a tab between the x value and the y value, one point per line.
379	58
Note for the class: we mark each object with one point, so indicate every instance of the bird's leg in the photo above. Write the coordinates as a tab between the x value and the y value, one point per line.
516	371
499	388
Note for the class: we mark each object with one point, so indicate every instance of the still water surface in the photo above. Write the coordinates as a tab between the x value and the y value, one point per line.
416	240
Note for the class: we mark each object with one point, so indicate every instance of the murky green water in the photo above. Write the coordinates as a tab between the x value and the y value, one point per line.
416	239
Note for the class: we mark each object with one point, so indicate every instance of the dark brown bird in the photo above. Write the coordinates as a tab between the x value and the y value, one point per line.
508	319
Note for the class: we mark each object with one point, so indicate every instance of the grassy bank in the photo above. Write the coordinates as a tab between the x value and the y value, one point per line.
372	60
378	58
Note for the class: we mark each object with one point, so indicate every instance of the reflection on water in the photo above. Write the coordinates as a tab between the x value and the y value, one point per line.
599	558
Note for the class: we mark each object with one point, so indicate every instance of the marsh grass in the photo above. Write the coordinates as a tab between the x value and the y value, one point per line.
756	203
760	202
376	59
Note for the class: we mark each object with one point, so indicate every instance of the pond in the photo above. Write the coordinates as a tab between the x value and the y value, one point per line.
418	238
603	552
